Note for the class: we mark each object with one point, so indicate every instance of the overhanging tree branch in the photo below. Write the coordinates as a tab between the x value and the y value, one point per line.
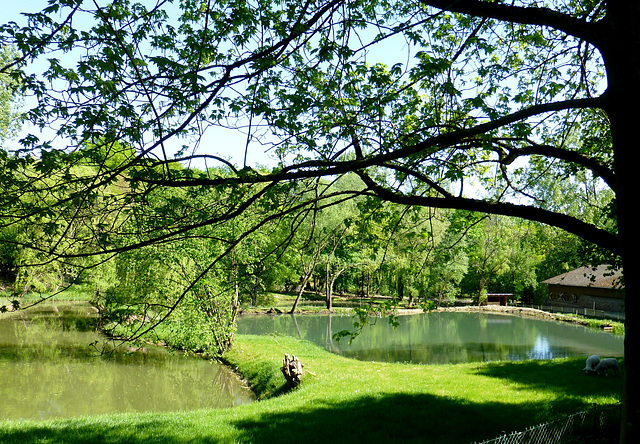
323	167
598	168
571	224
519	14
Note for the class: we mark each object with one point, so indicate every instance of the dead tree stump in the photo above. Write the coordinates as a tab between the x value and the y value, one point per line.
292	370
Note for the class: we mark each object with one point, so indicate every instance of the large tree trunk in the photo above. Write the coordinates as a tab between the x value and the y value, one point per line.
628	154
622	59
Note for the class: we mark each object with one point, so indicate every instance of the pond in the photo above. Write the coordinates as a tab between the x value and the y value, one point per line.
51	367
443	337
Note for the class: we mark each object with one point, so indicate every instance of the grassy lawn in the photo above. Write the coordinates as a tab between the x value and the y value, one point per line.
343	400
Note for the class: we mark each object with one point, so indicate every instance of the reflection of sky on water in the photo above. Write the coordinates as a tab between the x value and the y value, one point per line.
541	349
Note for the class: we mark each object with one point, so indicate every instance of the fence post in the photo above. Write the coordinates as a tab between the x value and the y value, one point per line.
595	419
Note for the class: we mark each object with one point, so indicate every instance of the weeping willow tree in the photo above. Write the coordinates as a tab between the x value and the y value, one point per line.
431	103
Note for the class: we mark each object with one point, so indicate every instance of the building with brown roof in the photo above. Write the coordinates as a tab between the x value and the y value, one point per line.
597	288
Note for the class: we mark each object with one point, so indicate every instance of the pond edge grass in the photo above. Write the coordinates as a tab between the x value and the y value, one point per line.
459	403
344	400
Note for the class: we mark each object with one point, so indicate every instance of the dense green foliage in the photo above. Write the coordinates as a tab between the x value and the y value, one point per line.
513	109
9	95
363	247
161	241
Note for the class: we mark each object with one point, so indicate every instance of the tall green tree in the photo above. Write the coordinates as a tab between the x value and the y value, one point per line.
450	264
10	97
469	87
9	122
504	256
410	243
488	253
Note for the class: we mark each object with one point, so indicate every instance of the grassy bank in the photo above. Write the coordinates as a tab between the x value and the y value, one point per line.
343	400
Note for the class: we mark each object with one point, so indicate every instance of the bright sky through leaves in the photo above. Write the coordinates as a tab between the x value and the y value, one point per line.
228	144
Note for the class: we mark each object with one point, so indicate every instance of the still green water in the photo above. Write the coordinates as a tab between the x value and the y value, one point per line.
443	337
52	365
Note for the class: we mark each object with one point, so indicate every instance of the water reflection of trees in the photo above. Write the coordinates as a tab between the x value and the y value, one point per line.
48	369
442	337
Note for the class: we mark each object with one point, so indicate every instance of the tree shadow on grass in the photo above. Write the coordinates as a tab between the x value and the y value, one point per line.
394	418
559	375
386	418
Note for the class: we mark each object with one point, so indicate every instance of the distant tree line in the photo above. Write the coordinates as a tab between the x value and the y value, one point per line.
315	237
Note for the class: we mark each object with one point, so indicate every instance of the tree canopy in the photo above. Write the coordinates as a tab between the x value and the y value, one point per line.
464	104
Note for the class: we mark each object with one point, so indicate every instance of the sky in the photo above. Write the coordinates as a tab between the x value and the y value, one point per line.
229	144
